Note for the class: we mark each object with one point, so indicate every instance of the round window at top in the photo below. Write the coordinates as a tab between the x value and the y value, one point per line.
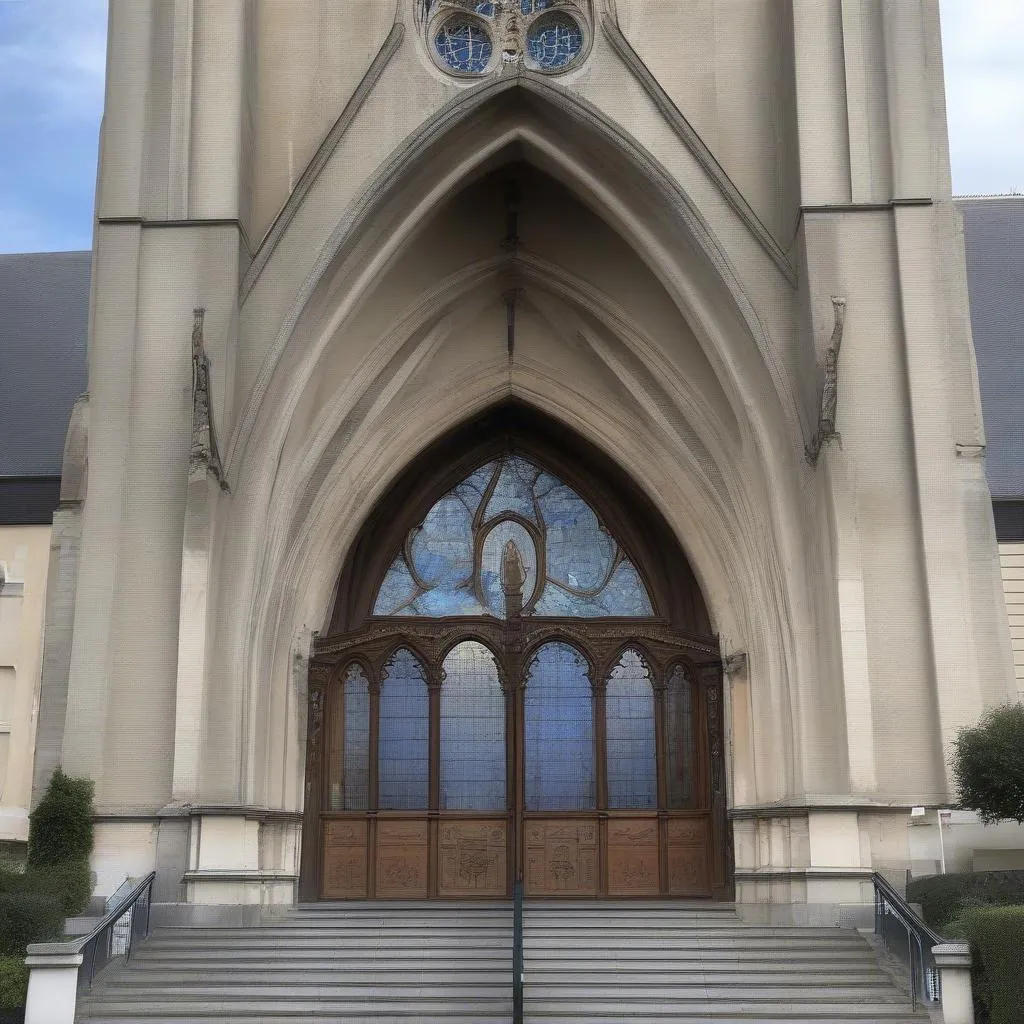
554	41
464	45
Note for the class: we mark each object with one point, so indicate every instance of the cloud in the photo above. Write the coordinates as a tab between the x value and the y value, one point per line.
53	54
52	62
983	50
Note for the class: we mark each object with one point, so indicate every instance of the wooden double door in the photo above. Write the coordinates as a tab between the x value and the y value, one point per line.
446	760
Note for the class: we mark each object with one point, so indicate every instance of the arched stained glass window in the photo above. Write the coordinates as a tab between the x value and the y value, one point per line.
630	746
404	745
450	564
472	731
559	750
355	780
679	739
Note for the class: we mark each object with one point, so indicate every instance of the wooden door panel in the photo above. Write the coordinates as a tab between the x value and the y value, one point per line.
403	858
473	858
561	857
345	859
633	857
689	866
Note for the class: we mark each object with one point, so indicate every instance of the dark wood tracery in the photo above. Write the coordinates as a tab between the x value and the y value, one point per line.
417	854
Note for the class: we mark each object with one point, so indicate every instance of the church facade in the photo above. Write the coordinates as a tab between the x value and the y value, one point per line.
529	439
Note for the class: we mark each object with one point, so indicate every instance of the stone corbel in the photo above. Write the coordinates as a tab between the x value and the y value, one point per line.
830	389
204	456
735	664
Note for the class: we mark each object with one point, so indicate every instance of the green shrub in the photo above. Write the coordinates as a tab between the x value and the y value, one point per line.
70	884
60	829
13	982
988	767
996	935
944	898
27	917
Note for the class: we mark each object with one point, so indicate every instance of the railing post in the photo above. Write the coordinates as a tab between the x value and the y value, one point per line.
953	959
52	983
518	967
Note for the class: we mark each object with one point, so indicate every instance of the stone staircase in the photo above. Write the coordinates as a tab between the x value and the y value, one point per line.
433	962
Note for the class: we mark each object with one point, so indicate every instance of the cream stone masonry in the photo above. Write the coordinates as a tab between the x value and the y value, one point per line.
24	557
694	196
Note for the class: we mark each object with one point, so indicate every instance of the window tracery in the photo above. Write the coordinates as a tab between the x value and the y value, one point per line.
474	37
450	564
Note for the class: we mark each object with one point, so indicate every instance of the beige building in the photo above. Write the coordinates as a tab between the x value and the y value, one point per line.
470	379
44	311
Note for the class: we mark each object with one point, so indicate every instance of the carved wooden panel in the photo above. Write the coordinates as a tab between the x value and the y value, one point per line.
402	859
688	860
561	858
473	858
345	860
633	857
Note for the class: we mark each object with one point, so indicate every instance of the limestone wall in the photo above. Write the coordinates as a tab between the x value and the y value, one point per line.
694	195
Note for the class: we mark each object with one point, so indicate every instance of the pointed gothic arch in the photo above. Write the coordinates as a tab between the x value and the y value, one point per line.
576	763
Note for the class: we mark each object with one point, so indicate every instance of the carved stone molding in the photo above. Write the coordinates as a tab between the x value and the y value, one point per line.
830	389
204	456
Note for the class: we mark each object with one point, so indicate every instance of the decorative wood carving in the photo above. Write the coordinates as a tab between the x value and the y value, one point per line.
473	858
688	867
633	857
402	859
345	859
561	857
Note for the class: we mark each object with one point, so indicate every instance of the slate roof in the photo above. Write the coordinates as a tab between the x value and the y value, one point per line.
44	311
994	244
44	314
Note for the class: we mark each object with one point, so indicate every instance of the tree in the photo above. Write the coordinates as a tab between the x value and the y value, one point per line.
988	765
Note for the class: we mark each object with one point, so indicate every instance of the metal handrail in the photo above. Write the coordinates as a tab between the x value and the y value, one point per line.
116	932
518	967
905	935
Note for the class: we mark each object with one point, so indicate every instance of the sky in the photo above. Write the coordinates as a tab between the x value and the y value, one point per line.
52	55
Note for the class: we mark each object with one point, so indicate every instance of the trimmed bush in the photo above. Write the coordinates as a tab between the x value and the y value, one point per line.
60	829
988	767
27	917
13	982
996	935
944	898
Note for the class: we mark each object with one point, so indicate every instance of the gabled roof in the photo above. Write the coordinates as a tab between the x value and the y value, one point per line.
44	317
994	243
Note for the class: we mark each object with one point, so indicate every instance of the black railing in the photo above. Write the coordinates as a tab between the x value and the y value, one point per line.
118	932
518	967
907	937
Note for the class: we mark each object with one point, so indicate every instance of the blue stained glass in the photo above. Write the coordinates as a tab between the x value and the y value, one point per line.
472	731
442	547
532	6
514	491
554	41
464	45
440	602
624	595
490	563
404	740
471	490
485	7
579	552
397	589
586	573
559	732
355	782
629	711
559	750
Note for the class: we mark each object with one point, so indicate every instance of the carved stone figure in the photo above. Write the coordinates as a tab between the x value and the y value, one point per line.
204	454
830	388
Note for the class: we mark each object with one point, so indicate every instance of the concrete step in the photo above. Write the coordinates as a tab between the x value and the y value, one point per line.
634	962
